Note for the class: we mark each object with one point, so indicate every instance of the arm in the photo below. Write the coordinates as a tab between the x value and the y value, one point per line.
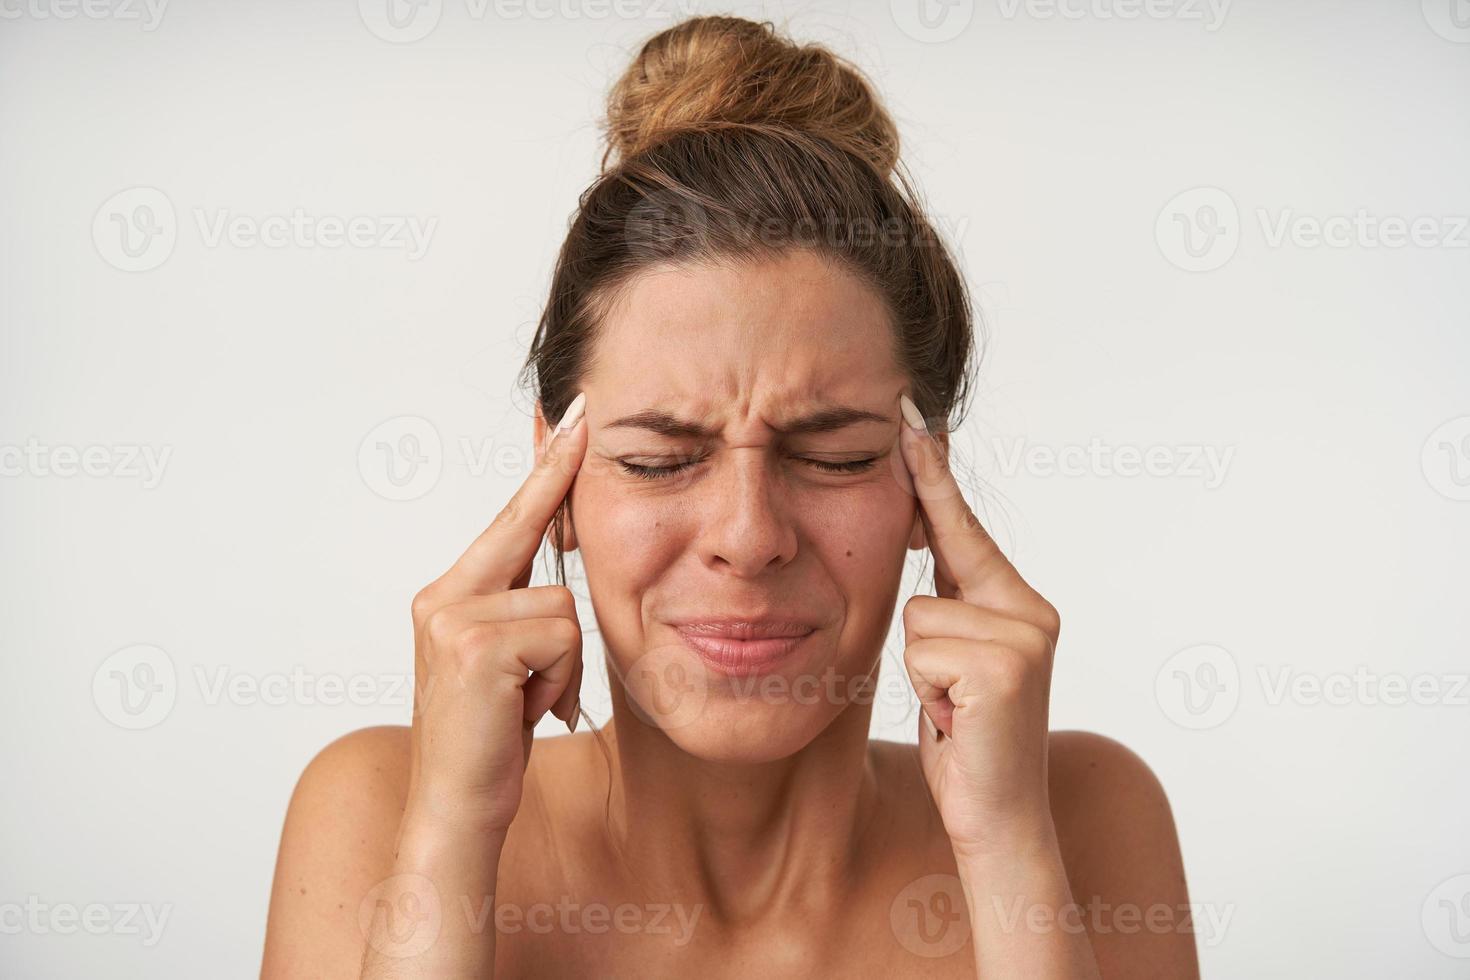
1029	833
365	888
392	873
1104	893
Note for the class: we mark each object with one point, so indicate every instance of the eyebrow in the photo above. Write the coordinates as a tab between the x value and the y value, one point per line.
824	420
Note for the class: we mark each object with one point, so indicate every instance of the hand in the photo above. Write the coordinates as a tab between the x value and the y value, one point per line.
979	655
492	656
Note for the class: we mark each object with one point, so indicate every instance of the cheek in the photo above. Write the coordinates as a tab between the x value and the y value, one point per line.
864	531
623	533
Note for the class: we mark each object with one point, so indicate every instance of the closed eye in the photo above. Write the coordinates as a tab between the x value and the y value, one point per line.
645	472
844	466
654	472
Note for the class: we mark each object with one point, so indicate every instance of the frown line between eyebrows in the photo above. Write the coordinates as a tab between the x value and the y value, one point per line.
823	420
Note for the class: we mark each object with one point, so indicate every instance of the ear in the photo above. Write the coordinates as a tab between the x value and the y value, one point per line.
541	430
917	539
916	536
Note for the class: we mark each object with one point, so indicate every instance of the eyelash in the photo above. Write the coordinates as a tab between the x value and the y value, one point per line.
660	472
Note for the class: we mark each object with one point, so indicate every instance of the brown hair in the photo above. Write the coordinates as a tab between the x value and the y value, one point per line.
729	142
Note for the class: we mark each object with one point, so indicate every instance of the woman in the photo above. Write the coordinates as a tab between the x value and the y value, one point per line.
750	324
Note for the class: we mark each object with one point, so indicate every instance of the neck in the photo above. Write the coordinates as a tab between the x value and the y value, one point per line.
745	840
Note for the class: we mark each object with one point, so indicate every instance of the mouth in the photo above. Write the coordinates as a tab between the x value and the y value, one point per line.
745	646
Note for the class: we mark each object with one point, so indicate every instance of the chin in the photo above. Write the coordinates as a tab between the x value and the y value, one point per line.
750	718
740	732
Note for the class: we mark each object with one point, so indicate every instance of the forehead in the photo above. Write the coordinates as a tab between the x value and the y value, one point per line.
786	330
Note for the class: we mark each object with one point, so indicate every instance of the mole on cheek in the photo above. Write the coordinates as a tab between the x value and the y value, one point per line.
849	552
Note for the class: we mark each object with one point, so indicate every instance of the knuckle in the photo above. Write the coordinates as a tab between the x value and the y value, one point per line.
477	638
914	611
513	514
971	522
566	633
915	658
425	601
565	602
1037	641
475	641
439	626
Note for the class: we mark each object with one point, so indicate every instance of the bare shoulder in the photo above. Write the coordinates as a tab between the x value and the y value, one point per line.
1115	830
1105	800
1121	850
337	844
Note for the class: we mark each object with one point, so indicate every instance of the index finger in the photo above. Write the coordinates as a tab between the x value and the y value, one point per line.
968	564
501	554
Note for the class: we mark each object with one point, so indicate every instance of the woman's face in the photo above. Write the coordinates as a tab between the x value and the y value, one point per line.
742	464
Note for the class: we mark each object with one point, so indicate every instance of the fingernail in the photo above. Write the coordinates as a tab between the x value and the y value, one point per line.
911	414
929	723
574	412
570	418
572	720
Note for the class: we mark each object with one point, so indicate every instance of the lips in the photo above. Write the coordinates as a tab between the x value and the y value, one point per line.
743	646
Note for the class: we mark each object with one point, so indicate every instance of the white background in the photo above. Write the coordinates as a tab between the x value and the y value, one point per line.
1050	143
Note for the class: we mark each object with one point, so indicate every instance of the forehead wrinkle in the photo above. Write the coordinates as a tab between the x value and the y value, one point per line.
734	346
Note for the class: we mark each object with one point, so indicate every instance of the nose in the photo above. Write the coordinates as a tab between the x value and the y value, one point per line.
745	528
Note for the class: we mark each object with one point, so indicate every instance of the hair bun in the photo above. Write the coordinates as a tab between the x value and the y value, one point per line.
713	71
